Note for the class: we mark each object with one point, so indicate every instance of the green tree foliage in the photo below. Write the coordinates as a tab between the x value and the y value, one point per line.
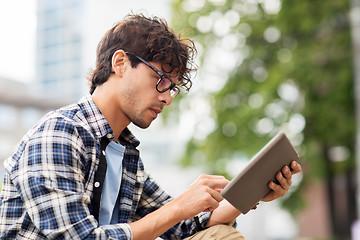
285	65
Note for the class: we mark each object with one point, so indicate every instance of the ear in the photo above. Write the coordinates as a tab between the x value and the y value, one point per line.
118	61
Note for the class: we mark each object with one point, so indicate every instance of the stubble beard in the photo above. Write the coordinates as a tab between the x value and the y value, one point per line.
141	123
137	117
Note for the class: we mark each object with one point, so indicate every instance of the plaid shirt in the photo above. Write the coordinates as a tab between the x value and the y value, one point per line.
49	181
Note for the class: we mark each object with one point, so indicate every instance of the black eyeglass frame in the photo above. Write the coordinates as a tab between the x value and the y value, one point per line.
174	90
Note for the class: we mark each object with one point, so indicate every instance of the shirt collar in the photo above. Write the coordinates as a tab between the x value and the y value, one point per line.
100	126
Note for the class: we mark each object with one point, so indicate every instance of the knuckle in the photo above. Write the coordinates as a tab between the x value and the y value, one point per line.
202	176
203	181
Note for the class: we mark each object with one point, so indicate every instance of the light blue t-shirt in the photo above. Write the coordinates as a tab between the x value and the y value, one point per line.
109	207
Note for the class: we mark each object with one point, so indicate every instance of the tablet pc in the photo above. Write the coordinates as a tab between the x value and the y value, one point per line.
251	184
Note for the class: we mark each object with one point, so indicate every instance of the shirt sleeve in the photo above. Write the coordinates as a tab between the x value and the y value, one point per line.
50	178
153	197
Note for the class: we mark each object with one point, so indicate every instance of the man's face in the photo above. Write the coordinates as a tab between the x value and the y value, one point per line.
140	101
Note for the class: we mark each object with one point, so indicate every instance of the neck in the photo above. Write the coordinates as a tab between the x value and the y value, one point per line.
106	101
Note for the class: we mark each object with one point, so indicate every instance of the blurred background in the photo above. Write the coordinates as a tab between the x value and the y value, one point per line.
265	66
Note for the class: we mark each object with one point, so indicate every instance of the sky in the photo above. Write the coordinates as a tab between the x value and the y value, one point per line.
17	42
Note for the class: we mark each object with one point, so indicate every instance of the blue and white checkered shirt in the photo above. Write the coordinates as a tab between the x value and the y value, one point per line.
49	181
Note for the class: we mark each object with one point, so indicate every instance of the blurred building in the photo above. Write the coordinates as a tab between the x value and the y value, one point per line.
59	53
67	35
20	109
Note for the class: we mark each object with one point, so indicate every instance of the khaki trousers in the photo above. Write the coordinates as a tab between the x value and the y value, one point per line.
218	232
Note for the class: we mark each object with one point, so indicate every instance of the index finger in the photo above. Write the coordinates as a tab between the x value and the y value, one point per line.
213	181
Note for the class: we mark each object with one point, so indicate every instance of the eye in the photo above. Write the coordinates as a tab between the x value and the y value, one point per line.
164	84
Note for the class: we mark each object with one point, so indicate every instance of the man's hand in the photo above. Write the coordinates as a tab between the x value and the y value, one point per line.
284	178
202	195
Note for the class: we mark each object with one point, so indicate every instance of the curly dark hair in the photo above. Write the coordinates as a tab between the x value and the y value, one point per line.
150	39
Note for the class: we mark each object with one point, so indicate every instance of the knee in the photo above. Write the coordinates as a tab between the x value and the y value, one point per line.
224	232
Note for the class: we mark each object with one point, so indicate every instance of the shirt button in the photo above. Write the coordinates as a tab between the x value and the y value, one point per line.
97	184
109	135
103	152
97	133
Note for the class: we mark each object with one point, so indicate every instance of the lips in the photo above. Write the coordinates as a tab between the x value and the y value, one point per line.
156	111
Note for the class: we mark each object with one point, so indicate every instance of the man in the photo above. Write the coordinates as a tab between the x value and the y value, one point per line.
77	173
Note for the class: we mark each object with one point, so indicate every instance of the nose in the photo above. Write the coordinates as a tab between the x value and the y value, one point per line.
165	97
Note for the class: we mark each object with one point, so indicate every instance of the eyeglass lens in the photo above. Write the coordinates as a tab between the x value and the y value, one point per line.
164	83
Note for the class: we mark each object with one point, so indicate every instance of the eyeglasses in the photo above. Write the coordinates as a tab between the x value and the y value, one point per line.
164	83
